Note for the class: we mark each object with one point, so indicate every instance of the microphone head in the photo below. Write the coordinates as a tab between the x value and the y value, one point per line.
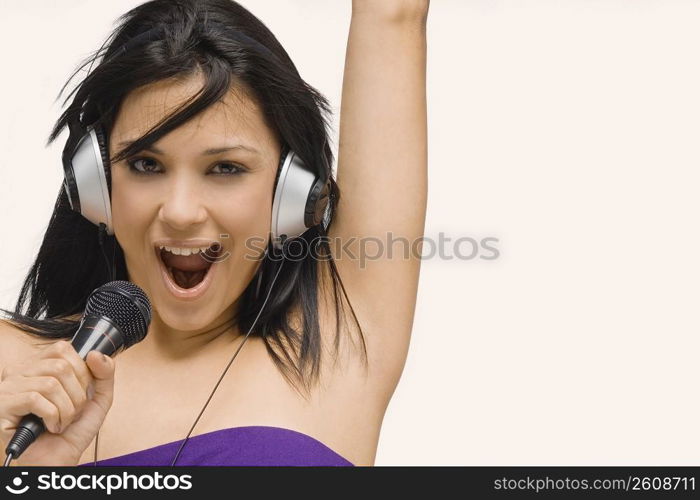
126	305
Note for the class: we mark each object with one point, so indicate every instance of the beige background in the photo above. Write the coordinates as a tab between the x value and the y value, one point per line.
567	129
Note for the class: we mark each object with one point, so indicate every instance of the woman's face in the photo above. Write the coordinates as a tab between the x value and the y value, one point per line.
185	194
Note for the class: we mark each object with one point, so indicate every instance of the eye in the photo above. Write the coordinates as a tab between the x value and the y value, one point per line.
149	169
230	169
133	162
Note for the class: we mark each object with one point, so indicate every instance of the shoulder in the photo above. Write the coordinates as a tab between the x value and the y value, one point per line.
11	336
15	343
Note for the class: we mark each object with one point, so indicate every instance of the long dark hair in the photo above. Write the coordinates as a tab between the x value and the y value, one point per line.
232	47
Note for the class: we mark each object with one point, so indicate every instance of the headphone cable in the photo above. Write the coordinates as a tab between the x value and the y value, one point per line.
101	234
225	369
230	362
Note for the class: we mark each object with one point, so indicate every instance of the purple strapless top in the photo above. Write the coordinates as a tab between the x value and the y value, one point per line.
236	446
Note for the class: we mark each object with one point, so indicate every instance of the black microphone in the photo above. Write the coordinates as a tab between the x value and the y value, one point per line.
117	316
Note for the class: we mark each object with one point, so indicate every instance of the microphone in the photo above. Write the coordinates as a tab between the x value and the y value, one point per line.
117	316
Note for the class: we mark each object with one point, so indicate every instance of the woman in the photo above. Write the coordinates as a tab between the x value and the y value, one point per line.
310	387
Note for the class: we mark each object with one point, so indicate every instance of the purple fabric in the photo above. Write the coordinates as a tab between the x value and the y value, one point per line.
252	445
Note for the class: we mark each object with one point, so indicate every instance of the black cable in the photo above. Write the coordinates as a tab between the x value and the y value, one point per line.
230	362
111	270
222	375
101	234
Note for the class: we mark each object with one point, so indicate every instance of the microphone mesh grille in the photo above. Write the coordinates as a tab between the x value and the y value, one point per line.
124	303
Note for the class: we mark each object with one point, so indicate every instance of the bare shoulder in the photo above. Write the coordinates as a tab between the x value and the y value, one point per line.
12	337
15	343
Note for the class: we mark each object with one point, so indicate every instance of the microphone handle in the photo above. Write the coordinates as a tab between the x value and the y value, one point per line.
95	333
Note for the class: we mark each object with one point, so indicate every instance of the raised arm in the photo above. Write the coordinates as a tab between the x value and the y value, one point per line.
382	171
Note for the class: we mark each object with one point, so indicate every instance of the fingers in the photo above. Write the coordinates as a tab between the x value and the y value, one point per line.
20	404
63	349
102	368
56	385
43	396
65	381
58	350
58	375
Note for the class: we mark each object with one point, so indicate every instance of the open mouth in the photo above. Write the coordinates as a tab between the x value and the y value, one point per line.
187	271
186	279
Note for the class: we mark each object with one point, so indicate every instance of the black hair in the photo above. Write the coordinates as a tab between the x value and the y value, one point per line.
232	48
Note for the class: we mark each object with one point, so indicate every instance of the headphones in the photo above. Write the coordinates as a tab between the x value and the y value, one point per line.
299	202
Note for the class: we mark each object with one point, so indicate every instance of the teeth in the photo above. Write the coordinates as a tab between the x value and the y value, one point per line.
183	251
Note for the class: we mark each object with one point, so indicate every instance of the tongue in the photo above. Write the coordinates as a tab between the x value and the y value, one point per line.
194	262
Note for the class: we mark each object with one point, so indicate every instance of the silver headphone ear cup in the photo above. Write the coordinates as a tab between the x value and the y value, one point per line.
86	172
104	155
70	187
293	188
316	211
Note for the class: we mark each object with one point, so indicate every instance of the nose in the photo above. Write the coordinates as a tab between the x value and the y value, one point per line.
183	206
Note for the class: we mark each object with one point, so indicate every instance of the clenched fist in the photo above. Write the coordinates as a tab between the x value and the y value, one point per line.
70	395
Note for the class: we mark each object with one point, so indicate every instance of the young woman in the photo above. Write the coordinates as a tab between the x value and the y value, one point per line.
196	121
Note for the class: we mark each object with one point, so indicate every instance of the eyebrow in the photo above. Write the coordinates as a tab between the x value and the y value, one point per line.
206	152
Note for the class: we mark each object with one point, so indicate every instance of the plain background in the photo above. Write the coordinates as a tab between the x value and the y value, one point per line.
567	129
